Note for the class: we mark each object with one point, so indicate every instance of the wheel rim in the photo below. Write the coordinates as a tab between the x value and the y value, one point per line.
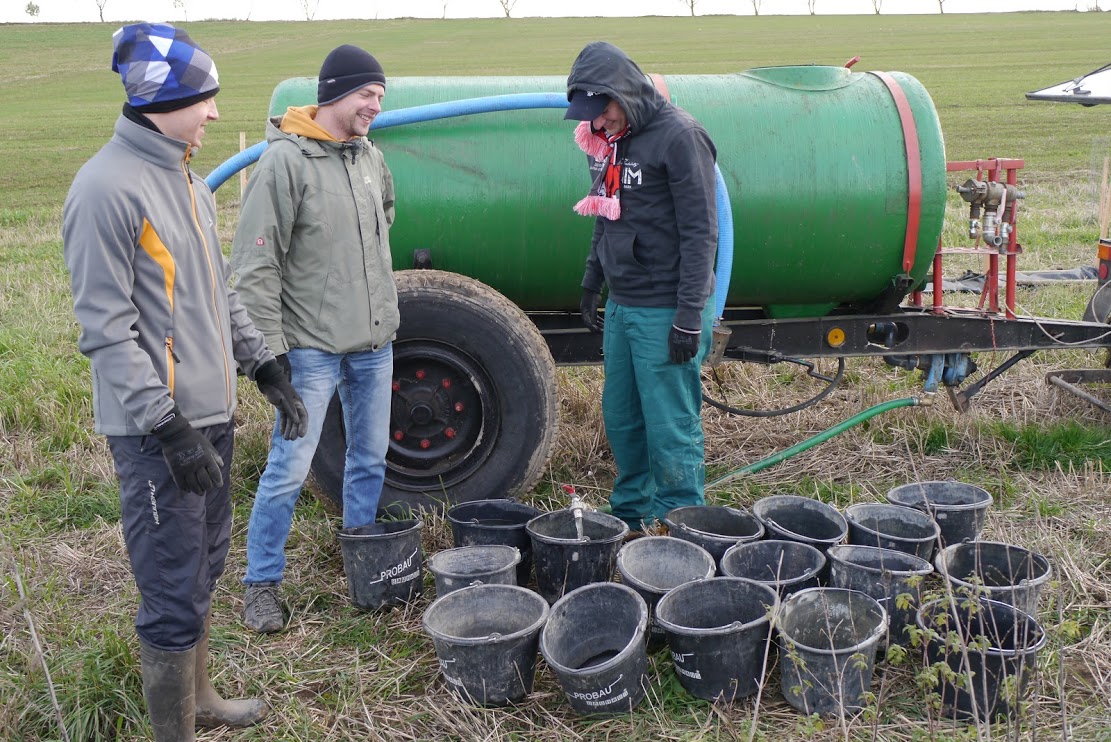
443	419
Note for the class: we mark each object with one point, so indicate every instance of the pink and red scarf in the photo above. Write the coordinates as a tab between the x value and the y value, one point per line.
605	192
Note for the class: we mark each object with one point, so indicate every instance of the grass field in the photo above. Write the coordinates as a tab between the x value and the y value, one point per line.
338	674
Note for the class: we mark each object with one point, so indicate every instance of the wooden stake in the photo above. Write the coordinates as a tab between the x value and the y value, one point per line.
242	173
1103	201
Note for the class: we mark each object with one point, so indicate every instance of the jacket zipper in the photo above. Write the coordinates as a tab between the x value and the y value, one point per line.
211	274
171	359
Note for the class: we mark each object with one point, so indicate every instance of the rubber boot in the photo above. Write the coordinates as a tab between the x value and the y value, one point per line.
168	687
214	711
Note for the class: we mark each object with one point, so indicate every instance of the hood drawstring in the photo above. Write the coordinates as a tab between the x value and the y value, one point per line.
353	149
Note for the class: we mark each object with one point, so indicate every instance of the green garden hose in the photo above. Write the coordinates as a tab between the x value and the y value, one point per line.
822	437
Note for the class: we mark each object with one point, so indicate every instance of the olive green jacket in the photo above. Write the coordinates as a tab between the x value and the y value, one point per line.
312	250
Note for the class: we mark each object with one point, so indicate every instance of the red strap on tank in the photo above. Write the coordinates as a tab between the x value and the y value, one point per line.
660	84
914	167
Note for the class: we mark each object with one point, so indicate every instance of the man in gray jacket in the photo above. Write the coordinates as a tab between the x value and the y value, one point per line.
313	265
164	334
655	234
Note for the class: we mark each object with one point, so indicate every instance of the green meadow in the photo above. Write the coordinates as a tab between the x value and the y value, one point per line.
66	596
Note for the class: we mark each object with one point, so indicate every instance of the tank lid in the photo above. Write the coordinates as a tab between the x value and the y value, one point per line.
804	77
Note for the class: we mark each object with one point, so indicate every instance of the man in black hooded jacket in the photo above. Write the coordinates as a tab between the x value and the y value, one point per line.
655	235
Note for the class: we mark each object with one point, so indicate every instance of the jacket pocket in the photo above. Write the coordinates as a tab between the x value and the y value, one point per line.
623	270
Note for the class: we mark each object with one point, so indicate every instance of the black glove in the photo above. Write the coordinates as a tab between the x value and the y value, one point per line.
683	344
588	306
193	461
283	361
274	384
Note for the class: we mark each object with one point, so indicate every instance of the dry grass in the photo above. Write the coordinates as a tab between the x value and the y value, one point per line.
338	674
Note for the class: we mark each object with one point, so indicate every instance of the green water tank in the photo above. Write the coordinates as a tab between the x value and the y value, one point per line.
836	179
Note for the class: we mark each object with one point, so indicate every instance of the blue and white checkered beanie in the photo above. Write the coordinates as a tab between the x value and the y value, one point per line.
162	68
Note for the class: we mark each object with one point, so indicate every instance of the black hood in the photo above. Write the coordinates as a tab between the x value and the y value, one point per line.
603	68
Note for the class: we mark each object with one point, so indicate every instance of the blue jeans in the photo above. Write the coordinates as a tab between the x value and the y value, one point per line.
364	381
652	410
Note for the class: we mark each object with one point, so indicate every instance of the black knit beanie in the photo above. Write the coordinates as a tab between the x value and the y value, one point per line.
347	69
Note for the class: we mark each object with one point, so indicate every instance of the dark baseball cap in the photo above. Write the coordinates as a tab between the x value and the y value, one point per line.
586	105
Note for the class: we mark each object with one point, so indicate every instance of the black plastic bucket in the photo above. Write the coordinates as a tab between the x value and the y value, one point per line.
482	522
801	519
958	508
492	564
657	564
788	566
1002	650
383	563
564	561
827	649
889	526
486	637
594	643
883	574
1003	572
718	632
713	527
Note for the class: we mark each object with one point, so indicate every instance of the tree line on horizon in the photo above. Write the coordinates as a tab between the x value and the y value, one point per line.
310	7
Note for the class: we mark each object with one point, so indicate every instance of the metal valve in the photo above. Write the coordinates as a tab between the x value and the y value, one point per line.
990	208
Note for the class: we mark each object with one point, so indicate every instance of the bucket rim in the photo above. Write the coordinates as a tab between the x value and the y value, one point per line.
732	628
439	603
635	644
710	535
645	543
876	633
941	560
431	561
779	542
823	507
919	621
833	554
930	522
986	501
415	524
544	538
452	512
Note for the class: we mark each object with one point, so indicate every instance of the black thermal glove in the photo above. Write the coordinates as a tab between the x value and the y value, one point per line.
283	361
274	384
193	461
588	306
683	344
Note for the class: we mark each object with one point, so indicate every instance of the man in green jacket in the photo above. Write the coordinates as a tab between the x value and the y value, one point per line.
164	335
313	264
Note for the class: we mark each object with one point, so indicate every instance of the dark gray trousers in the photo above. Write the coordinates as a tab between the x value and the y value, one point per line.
177	541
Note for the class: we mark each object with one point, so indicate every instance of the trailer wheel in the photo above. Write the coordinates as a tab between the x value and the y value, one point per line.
474	412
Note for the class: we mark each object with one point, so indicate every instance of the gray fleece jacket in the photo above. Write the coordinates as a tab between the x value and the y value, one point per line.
660	253
150	287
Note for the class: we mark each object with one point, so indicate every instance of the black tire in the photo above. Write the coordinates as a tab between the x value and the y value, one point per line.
474	407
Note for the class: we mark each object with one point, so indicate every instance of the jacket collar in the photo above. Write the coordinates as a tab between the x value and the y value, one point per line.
152	146
311	147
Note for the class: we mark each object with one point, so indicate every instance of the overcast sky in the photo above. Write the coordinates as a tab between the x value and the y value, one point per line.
53	11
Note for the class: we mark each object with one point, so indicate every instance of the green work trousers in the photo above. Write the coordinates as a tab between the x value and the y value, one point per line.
652	411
